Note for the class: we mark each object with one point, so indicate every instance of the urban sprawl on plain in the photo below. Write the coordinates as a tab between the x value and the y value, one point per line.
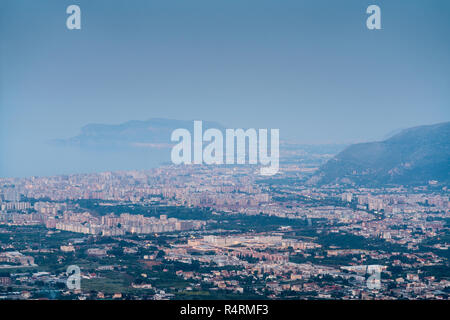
199	232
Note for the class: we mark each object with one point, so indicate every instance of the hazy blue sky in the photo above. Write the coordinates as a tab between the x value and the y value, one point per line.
310	68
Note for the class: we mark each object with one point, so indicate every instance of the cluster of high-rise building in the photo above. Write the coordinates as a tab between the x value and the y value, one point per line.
409	219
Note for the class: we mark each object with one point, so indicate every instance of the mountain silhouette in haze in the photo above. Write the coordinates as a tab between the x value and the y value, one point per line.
152	133
414	156
131	145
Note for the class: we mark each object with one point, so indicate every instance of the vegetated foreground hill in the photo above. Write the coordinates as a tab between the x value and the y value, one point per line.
412	157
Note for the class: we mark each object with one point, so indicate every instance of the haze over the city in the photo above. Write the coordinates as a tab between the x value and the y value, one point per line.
310	68
219	158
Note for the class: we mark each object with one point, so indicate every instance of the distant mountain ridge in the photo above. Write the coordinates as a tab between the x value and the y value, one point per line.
413	156
152	133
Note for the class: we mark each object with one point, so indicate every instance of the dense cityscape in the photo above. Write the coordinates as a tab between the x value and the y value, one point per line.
224	159
196	232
